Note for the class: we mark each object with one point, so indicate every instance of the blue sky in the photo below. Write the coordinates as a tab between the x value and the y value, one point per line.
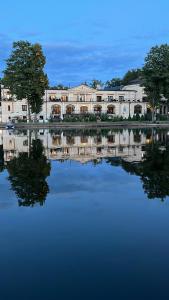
87	39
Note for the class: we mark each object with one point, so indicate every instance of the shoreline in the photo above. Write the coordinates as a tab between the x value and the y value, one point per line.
83	125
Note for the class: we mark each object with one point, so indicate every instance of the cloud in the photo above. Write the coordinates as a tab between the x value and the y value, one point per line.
5	45
73	63
153	36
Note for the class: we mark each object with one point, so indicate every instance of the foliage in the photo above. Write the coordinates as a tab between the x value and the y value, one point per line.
2	165
58	87
114	82
80	118
128	77
24	74
156	74
92	118
153	170
131	75
28	173
96	84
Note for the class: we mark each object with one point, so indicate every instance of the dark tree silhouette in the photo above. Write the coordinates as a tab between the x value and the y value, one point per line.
2	166
28	173
153	170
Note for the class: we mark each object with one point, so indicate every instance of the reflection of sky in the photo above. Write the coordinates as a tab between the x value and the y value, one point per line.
72	180
96	233
86	39
6	195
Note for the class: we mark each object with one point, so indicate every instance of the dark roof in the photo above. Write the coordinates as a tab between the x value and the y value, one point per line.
115	88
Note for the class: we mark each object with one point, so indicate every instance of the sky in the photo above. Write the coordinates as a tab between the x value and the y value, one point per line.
87	39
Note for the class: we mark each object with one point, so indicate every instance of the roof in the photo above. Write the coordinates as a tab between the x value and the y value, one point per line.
116	88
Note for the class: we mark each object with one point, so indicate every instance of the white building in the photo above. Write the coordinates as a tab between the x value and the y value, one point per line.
128	101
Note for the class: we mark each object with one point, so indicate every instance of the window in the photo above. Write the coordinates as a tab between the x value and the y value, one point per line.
41	118
70	140
137	138
137	109
52	97
111	139
121	98
64	98
9	108
83	109
84	139
99	98
25	143
24	107
98	139
110	98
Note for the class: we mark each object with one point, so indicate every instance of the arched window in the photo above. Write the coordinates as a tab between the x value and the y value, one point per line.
56	110
70	140
111	109
56	140
83	109
137	109
70	109
97	109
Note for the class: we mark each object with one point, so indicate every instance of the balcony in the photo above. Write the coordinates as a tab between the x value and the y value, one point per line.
51	99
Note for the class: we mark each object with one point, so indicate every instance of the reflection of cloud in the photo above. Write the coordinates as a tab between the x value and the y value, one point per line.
68	181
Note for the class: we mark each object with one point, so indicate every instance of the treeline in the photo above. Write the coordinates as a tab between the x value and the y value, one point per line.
131	75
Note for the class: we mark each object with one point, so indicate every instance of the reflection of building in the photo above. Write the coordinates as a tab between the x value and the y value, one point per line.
80	147
128	101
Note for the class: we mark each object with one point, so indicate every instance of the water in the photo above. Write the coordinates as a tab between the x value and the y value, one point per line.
84	214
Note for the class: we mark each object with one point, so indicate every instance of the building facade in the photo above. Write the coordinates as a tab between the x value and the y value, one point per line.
57	104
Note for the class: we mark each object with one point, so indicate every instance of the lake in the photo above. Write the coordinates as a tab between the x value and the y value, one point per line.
84	214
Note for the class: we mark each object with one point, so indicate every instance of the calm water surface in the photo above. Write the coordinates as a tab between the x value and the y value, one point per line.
84	214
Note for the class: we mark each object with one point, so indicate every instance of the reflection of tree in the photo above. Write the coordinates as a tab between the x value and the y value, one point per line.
28	173
153	170
1	159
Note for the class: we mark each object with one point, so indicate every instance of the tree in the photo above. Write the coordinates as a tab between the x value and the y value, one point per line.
95	84
28	173
131	75
24	74
114	82
156	75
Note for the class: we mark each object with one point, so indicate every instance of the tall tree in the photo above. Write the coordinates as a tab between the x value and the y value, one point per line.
24	74
156	75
